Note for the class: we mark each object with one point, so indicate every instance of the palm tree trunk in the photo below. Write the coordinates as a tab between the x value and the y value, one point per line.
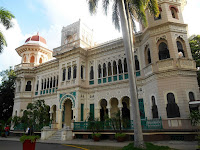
138	137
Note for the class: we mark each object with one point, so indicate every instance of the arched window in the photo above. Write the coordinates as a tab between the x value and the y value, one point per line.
148	56
120	66
172	107
74	72
51	82
163	51
57	81
42	87
69	73
32	60
48	83
64	74
91	73
37	85
45	84
180	48
24	58
99	71
159	17
54	81
109	69
174	11
28	86
104	70
137	64
191	96
40	61
114	68
125	65
81	72
154	107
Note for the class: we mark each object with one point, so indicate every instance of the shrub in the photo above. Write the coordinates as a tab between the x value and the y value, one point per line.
31	138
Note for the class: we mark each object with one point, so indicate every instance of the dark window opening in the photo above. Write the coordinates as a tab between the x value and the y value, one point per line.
104	70
109	69
64	75
51	83
180	48
154	108
172	108
48	83
81	72
149	56
120	66
91	73
163	51
191	96
125	65
54	81
74	72
99	71
69	73
137	64
114	68
28	86
45	84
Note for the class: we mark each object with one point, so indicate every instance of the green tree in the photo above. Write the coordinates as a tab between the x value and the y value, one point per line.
5	18
7	89
126	12
35	116
194	42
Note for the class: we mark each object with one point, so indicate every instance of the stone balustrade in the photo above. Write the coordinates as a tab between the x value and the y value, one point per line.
24	66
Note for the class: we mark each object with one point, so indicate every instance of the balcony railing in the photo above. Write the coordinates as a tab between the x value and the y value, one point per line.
24	66
147	124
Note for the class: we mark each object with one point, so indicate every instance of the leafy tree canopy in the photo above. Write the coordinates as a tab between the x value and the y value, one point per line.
6	20
194	42
35	116
7	88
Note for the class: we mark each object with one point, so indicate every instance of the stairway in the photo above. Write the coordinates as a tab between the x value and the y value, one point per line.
56	136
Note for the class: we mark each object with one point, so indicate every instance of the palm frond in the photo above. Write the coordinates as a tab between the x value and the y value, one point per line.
105	4
115	15
138	8
6	17
93	5
2	41
153	7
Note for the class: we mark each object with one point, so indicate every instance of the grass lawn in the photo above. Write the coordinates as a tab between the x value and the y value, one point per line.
149	146
90	147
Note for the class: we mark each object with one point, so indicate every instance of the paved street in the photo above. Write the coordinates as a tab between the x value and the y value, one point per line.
14	145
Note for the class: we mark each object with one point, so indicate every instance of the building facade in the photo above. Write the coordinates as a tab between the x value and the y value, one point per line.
81	78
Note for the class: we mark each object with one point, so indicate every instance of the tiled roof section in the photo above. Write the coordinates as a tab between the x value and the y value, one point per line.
36	38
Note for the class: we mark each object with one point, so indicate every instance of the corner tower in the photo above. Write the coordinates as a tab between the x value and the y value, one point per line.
74	36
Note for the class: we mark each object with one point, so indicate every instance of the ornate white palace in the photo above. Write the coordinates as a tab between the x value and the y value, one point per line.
80	77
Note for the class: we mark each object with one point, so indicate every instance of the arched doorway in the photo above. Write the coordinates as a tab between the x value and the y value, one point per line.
126	108
114	107
67	113
103	110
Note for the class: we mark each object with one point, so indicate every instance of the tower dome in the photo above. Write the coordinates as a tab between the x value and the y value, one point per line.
36	39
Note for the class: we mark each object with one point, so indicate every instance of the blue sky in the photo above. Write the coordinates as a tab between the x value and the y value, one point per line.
49	16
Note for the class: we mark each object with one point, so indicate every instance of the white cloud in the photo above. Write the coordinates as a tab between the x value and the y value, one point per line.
14	38
66	12
191	16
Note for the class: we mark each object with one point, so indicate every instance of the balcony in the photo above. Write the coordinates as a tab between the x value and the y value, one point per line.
166	64
24	66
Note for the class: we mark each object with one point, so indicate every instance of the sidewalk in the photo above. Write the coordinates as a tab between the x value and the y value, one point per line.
181	145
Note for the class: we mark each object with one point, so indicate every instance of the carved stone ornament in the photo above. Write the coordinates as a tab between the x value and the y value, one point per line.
160	38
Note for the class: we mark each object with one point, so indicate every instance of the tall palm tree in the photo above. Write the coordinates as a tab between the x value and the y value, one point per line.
5	18
127	12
